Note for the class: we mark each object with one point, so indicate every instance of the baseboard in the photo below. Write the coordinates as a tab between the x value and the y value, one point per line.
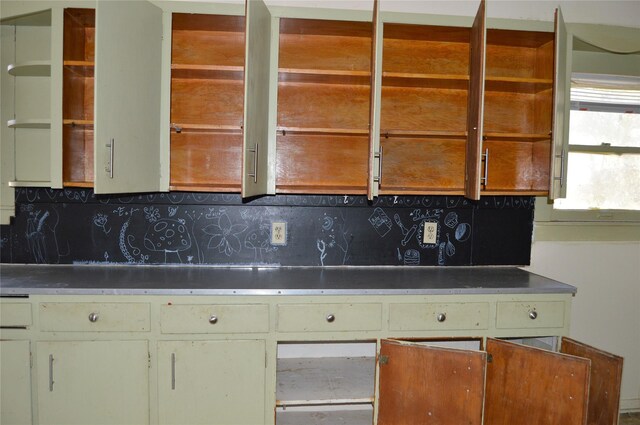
630	405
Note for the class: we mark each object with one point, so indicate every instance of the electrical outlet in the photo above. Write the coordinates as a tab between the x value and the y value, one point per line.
278	233
430	233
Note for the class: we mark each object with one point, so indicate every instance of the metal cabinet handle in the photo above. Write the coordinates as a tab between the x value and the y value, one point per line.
561	178
173	371
109	167
93	317
213	319
255	163
331	318
533	315
50	372
485	179
379	156
441	317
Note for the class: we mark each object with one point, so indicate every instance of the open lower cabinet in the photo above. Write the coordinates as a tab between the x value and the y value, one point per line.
505	383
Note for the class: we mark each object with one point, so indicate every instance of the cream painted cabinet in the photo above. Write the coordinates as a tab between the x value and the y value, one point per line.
211	382
15	382
92	382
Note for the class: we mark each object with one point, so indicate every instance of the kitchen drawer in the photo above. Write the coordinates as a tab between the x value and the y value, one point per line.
542	314
438	316
214	318
95	317
329	317
15	315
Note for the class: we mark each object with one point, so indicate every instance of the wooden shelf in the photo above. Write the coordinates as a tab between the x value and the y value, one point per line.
30	69
517	84
425	134
77	184
77	123
24	183
43	123
407	79
524	137
335	417
81	68
322	131
325	381
206	128
192	187
213	72
324	76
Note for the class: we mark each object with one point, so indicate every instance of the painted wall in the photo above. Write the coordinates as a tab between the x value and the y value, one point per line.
606	309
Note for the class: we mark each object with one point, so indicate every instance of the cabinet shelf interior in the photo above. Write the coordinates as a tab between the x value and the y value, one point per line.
34	123
30	69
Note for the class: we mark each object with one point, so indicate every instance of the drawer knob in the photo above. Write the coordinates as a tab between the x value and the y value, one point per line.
93	317
533	315
331	318
213	319
442	317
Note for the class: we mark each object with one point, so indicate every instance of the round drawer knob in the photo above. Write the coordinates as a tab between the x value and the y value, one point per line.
533	315
93	317
331	318
213	319
441	317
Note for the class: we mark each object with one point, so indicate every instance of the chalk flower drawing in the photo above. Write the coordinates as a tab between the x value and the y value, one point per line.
100	220
152	214
224	235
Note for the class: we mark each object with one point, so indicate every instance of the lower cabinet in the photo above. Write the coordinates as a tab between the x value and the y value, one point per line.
15	382
93	382
211	382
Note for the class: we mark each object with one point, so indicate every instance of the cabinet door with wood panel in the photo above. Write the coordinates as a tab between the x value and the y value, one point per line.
211	382
96	382
323	106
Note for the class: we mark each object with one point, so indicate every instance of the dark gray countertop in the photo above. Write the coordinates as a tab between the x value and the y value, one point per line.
16	279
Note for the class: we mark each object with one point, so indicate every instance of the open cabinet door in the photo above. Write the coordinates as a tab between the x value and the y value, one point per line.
561	110
475	103
128	69
421	384
375	151
531	386
256	148
606	378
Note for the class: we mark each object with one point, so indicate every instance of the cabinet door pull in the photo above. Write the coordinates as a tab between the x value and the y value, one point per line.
255	163
331	318
213	319
50	372
109	167
441	317
379	156
561	177
485	179
533	315
93	317
173	371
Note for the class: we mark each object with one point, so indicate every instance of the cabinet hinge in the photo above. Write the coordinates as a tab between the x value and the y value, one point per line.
489	358
149	359
383	359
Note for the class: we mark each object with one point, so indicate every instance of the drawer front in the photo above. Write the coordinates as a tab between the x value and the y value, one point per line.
329	317
15	314
214	318
438	316
95	317
544	314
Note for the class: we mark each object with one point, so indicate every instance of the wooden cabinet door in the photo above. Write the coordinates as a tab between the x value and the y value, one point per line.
127	97
258	152
477	59
211	382
561	109
421	384
15	382
531	386
606	378
93	382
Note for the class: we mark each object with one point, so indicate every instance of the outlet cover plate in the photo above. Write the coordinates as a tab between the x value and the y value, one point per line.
278	233
430	233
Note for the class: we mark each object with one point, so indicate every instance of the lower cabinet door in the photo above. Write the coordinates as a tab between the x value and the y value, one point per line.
93	382
211	382
15	383
421	384
532	386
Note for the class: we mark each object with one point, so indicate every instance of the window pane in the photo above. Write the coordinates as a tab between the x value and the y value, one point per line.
596	128
596	181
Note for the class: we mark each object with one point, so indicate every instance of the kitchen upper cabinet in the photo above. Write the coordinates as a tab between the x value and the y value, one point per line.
211	382
97	382
15	381
220	99
324	74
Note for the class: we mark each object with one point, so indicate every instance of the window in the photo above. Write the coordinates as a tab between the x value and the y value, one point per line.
603	169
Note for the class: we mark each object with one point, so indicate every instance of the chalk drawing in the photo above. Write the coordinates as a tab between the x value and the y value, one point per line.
100	220
168	236
399	255
172	211
334	242
259	240
41	237
463	232
124	211
175	197
407	233
224	235
327	222
380	222
322	247
151	214
411	257
420	238
122	242
451	220
450	248
432	215
441	255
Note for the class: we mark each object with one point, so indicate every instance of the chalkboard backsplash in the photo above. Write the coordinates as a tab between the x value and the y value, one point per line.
76	226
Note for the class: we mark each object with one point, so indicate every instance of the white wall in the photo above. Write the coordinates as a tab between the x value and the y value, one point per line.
606	309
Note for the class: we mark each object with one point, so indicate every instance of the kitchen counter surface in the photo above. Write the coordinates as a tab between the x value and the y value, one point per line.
18	279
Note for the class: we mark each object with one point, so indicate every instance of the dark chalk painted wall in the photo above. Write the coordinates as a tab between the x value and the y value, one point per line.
76	226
